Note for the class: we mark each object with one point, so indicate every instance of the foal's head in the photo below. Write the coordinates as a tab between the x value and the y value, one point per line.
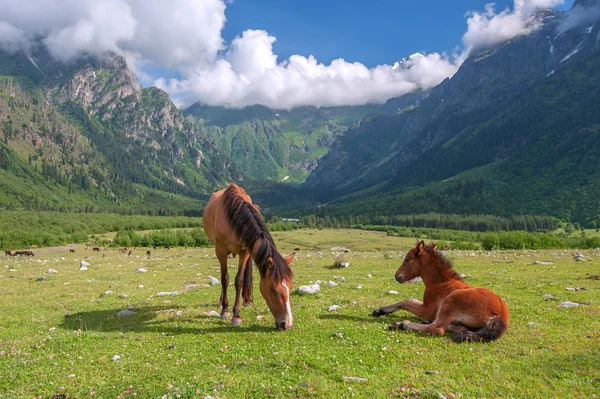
414	261
275	286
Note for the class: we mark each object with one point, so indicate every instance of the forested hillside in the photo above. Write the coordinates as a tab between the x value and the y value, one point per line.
276	145
87	135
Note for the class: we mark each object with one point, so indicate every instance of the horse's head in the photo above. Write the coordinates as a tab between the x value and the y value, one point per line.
275	287
411	267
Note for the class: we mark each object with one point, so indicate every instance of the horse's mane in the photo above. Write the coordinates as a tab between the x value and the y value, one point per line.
442	260
249	225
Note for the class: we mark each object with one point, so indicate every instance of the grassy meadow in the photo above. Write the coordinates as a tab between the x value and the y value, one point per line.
61	338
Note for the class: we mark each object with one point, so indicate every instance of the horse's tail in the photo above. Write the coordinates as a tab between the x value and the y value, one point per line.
491	331
247	288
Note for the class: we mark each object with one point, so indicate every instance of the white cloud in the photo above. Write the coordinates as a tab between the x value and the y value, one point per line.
249	74
186	36
491	27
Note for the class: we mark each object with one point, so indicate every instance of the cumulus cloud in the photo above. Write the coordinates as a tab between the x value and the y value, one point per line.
250	74
490	27
185	37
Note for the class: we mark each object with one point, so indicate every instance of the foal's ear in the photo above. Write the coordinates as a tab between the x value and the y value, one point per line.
269	262
434	246
290	258
421	247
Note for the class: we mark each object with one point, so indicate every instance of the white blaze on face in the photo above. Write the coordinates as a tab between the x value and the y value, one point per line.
289	320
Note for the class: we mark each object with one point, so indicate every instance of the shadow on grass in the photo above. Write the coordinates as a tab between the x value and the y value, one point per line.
152	319
357	319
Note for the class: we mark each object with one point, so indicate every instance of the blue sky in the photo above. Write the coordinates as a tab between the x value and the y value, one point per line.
372	32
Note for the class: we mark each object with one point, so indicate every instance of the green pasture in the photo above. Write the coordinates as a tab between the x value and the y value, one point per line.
58	337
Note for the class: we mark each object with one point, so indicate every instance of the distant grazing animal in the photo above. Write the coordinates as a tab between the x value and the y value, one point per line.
27	253
72	251
154	247
10	253
121	250
129	253
472	314
234	225
147	253
33	246
296	249
96	249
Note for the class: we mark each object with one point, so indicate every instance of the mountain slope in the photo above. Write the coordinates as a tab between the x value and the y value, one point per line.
484	84
538	155
136	146
280	144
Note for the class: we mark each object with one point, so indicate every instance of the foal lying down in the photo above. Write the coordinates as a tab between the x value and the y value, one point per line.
472	314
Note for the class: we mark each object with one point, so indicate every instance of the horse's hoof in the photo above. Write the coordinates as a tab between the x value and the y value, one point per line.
395	326
225	316
236	321
404	325
246	304
377	313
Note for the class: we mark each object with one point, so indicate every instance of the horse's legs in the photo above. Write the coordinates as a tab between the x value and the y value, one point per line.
239	284
438	327
414	306
222	257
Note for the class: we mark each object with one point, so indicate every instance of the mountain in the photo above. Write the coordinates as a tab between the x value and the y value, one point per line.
89	128
276	145
482	86
514	131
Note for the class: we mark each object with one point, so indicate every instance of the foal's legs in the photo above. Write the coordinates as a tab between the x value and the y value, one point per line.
239	284
438	327
414	306
222	257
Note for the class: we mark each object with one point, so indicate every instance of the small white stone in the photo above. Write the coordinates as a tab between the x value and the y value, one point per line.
568	304
107	292
140	286
342	279
213	281
392	292
331	284
51	271
369	276
344	265
308	289
122	295
126	313
531	324
167	293
179	313
214	314
333	308
359	287
141	270
51	329
116	358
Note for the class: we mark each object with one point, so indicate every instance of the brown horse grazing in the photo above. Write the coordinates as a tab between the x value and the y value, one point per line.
235	225
473	314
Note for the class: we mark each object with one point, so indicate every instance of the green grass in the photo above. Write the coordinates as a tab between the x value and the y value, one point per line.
59	336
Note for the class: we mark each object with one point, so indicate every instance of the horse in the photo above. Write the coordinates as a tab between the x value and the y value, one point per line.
96	249
71	251
148	253
235	225
10	253
472	314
